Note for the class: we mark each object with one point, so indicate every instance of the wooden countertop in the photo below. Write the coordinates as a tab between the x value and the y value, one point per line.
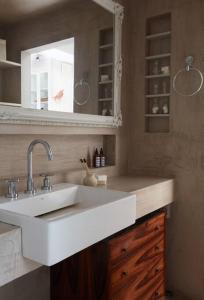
152	193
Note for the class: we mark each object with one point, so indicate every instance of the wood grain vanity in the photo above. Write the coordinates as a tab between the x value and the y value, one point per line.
129	265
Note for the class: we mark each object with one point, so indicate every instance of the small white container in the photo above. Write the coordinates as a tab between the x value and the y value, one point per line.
165	70
101	180
104	77
165	109
2	49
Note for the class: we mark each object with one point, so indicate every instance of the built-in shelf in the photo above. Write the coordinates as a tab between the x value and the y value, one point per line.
157	76
105	65
6	64
158	35
106	70
44	100
158	96
158	56
157	115
107	46
10	104
105	99
106	82
104	168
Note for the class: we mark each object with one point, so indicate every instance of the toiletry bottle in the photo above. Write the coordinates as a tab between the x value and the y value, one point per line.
97	162
155	70
156	89
102	158
155	107
108	112
165	108
164	87
106	92
104	111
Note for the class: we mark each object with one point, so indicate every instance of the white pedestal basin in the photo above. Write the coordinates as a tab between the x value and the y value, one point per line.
58	224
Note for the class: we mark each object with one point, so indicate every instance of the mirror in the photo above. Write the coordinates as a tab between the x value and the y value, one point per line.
61	56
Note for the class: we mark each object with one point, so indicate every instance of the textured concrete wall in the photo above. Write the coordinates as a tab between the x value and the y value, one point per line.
181	152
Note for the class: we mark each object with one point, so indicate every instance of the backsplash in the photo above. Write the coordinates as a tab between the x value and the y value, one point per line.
65	166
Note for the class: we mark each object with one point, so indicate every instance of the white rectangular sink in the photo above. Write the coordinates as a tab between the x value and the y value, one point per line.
60	223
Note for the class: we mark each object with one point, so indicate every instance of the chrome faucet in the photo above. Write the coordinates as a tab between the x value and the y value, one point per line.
30	183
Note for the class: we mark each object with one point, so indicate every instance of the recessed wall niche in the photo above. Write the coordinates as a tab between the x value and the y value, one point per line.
158	73
106	74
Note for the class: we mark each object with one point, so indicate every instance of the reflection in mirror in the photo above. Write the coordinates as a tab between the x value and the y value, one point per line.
52	76
57	55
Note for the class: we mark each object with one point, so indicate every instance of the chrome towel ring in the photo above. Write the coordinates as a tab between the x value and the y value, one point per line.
188	68
82	84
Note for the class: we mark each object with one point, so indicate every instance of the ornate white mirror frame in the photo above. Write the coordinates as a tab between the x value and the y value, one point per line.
19	115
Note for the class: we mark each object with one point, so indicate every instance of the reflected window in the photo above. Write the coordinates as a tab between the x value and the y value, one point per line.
52	77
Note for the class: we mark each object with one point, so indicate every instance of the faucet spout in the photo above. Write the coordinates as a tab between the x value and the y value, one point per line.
30	183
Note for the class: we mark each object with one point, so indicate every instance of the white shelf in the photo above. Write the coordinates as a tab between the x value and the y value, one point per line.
157	96
10	104
157	76
107	46
157	115
6	64
44	100
158	35
105	82
105	65
159	56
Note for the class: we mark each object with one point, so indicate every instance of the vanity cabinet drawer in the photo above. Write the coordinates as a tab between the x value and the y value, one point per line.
137	239
132	271
148	289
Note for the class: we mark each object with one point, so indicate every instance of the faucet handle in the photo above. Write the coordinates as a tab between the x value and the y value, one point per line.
11	185
47	186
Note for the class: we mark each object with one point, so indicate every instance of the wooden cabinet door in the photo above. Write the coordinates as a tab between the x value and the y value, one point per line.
84	276
71	278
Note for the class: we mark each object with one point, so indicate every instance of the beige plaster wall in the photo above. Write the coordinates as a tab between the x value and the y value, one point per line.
181	152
